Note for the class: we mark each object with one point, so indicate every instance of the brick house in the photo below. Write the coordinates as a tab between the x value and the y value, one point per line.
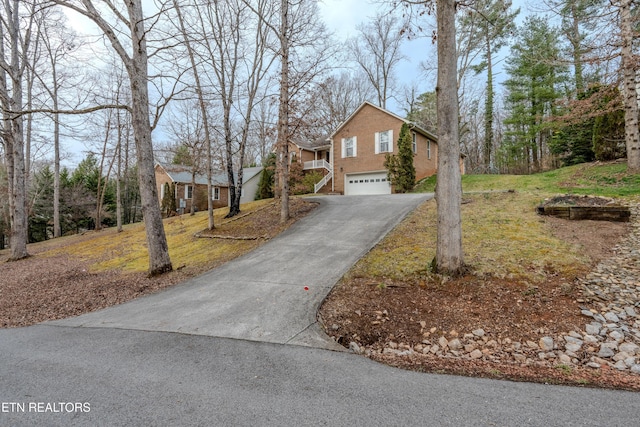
186	194
358	149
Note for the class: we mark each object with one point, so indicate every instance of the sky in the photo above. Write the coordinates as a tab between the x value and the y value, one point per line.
341	18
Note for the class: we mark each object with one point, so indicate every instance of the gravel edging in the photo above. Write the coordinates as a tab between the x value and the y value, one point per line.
609	302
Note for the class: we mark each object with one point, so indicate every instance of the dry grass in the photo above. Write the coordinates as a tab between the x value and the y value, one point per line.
127	251
502	237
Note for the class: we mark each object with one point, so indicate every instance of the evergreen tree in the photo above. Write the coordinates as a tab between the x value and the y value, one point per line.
41	212
536	74
168	203
591	127
424	112
267	179
400	169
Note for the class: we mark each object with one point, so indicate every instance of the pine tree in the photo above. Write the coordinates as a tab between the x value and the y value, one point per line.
168	204
536	73
267	179
400	169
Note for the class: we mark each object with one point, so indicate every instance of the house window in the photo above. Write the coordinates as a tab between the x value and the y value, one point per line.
349	147
384	142
414	142
216	193
428	148
188	192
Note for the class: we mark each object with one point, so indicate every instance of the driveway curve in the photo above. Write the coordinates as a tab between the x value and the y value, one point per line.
271	294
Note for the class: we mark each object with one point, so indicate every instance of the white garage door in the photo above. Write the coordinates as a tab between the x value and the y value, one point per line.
366	183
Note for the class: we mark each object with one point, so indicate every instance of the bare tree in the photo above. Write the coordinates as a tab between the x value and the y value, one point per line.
203	110
377	51
235	47
136	63
336	98
16	25
191	149
57	42
283	112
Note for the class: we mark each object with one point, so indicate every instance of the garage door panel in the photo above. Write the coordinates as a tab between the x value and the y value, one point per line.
367	183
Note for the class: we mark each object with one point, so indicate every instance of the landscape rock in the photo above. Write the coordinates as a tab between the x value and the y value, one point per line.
606	352
475	354
546	343
564	359
478	332
620	365
573	347
593	328
611	317
455	344
629	348
443	342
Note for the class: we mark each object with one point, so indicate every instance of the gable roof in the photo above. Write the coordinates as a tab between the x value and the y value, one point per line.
413	125
319	144
182	174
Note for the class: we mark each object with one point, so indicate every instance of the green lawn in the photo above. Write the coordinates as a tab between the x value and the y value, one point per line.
610	180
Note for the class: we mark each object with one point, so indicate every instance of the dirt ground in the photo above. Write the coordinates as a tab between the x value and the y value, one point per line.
373	316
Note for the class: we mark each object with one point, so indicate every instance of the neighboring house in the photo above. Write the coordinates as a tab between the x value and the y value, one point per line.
186	194
359	146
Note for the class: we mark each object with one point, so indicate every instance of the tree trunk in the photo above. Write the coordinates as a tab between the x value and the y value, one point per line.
488	112
449	255
57	227
283	113
203	110
15	138
575	39
192	211
119	179
632	138
159	261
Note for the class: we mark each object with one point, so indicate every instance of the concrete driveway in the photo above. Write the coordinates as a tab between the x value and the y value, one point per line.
261	296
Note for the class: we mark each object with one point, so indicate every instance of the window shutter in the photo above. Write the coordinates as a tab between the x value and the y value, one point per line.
390	140
377	143
344	149
355	146
186	191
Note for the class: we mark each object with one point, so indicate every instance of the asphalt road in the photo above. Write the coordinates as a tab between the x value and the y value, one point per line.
141	364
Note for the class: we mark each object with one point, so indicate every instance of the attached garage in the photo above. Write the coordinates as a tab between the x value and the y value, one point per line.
366	183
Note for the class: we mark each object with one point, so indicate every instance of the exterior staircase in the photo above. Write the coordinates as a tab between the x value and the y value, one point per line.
320	164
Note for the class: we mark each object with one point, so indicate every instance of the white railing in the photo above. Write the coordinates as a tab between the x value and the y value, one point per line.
322	182
317	164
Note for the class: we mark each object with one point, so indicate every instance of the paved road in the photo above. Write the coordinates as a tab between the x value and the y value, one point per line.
141	364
